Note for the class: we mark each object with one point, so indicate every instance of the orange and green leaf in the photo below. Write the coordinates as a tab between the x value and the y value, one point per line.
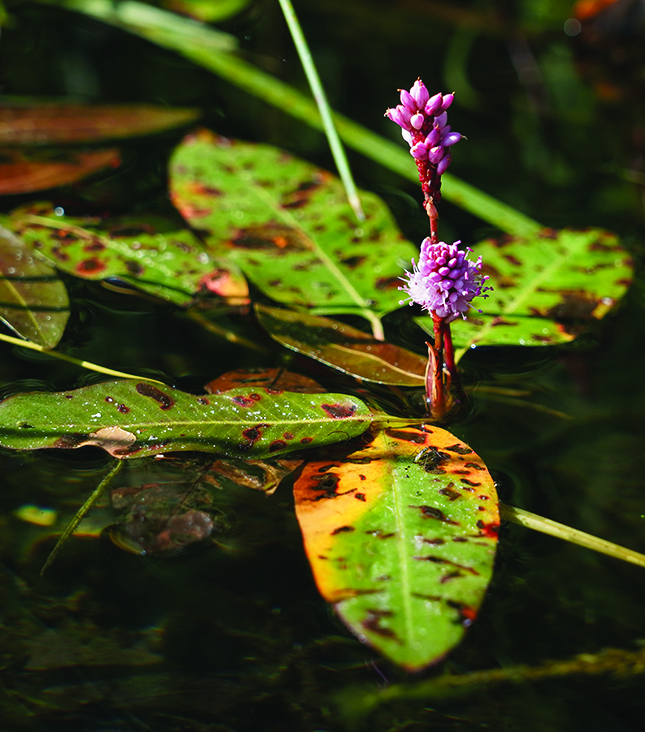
401	537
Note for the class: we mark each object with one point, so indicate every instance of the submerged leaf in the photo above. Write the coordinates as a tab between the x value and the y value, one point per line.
265	378
53	124
133	419
344	348
548	289
149	252
163	517
401	537
21	172
33	300
289	226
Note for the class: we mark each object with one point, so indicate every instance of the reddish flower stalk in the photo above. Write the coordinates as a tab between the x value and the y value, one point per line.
445	281
423	119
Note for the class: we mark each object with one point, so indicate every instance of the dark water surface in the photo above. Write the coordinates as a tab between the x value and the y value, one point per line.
233	635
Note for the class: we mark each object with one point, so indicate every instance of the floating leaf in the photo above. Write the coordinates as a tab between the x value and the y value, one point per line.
33	300
133	419
548	289
54	124
150	253
344	348
401	537
288	225
22	172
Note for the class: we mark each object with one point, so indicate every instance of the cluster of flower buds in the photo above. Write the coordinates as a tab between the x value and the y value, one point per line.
422	119
445	280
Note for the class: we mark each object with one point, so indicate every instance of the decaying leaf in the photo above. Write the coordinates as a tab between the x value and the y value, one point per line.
22	172
55	124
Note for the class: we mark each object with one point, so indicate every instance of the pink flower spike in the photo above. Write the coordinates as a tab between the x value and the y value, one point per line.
419	151
443	164
440	120
408	101
435	155
450	139
433	137
448	99
450	296
433	105
420	93
417	120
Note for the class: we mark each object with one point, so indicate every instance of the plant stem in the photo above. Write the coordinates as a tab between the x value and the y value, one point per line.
449	355
323	107
561	531
375	322
73	524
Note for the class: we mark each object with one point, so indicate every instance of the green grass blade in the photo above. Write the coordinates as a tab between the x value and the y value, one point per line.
323	107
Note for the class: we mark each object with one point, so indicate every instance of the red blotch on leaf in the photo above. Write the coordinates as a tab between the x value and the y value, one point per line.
490	530
339	411
277	445
90	266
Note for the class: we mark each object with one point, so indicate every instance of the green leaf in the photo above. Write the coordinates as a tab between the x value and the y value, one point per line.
548	289
150	253
133	419
31	123
289	226
401	537
342	347
33	300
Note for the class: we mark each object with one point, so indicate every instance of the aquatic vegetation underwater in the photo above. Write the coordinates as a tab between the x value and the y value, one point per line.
215	353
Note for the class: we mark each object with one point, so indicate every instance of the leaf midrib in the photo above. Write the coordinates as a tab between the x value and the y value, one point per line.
289	219
523	294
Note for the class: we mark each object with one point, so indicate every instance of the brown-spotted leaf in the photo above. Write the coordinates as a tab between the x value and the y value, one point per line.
134	419
263	475
33	299
342	347
289	226
55	124
401	536
149	252
548	289
22	172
